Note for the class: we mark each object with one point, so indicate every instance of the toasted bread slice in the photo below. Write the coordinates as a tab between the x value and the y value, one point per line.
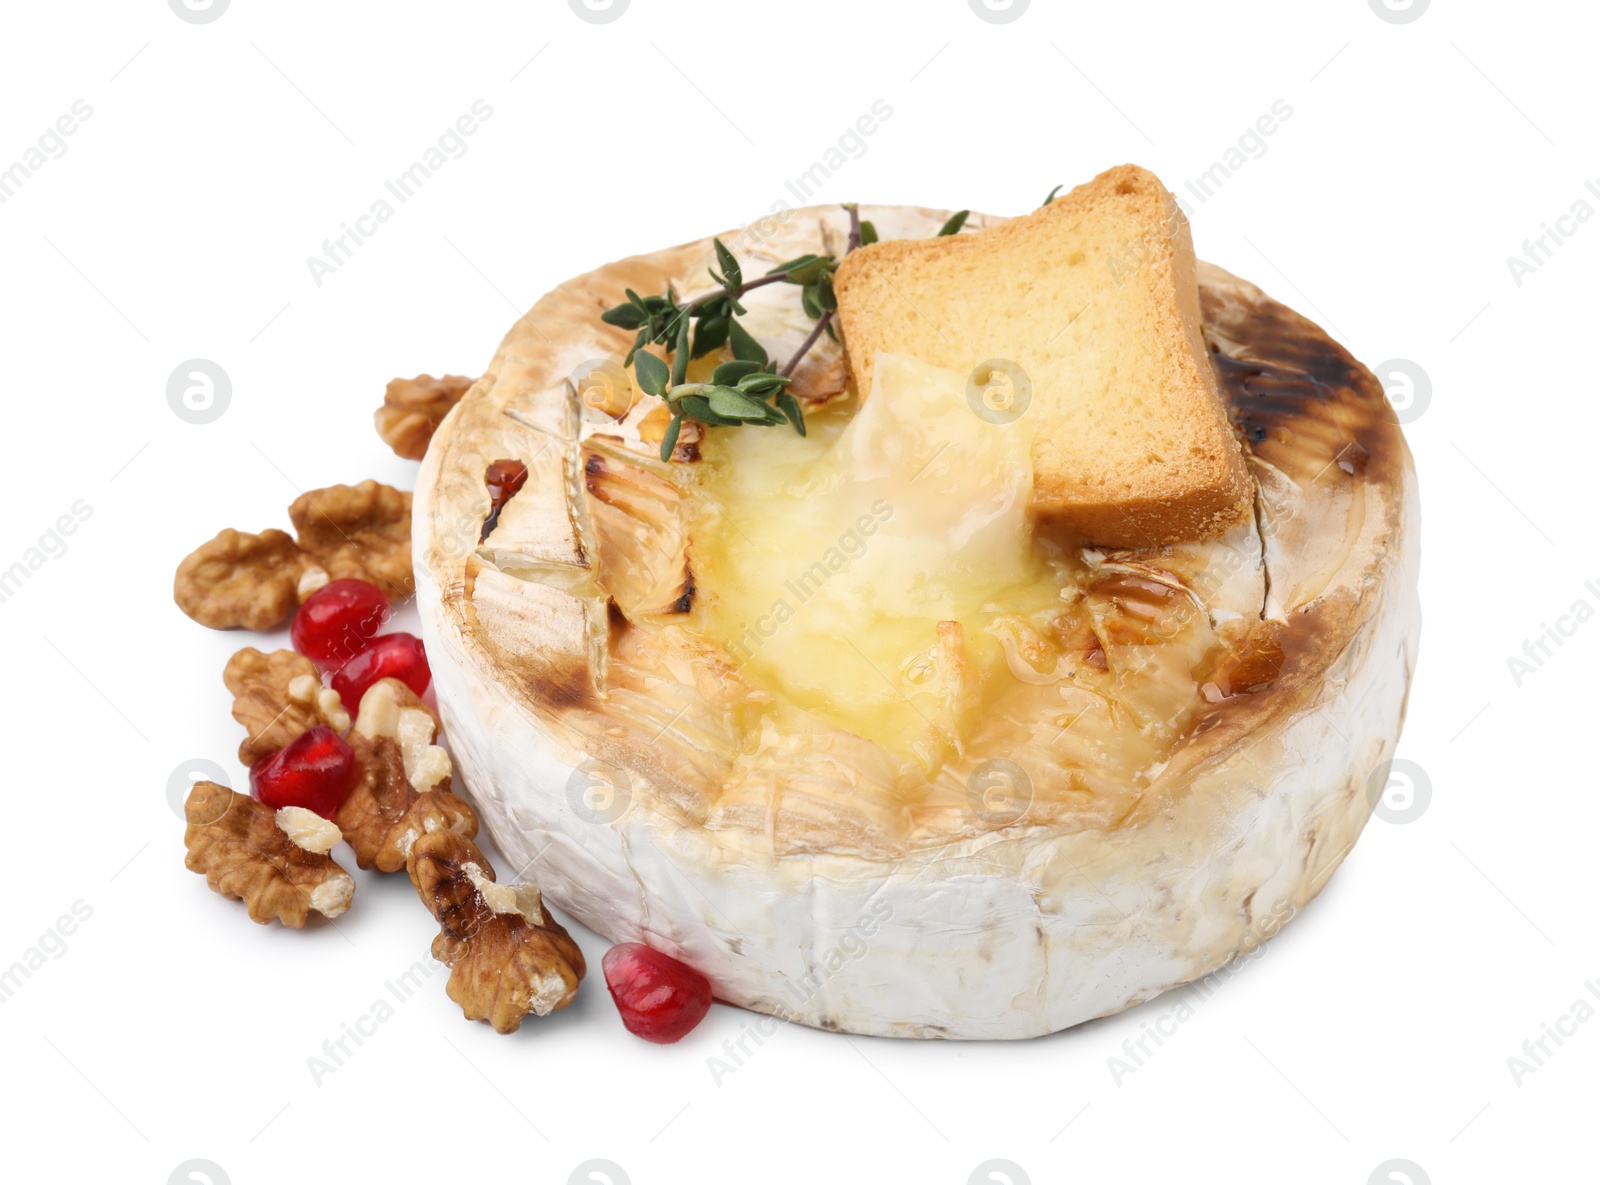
1094	297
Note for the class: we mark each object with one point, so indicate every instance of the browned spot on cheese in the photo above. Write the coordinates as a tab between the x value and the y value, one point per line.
686	601
1300	401
1248	667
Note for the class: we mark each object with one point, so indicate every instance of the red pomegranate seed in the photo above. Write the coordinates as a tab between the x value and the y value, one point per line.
339	620
508	476
393	656
313	771
504	479
660	998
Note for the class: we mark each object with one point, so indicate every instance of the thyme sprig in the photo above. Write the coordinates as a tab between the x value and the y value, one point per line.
861	233
750	389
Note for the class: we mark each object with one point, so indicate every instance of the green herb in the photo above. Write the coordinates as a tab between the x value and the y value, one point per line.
669	441
954	225
745	348
751	389
1050	197
652	374
861	232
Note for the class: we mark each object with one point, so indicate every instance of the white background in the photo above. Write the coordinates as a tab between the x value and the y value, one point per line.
177	224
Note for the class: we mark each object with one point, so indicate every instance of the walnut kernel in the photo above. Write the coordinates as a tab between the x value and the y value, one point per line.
402	790
276	862
359	532
413	408
508	957
240	581
277	697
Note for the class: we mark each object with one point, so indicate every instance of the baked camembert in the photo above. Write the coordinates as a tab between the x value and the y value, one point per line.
884	728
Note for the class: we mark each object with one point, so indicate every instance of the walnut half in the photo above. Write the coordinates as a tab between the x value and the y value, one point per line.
402	785
413	408
277	697
508	957
276	862
240	581
359	532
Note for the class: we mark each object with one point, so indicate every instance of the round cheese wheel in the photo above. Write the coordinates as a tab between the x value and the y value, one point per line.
657	791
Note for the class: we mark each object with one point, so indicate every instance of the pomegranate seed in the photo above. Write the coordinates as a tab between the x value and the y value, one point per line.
660	998
504	479
313	770
338	621
393	656
508	476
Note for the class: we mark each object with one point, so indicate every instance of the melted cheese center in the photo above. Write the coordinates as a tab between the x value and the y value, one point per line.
860	571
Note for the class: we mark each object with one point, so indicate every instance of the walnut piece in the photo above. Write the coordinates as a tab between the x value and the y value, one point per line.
276	862
239	580
508	957
277	697
391	709
311	580
402	787
413	408
821	377
359	532
383	816
307	829
653	430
